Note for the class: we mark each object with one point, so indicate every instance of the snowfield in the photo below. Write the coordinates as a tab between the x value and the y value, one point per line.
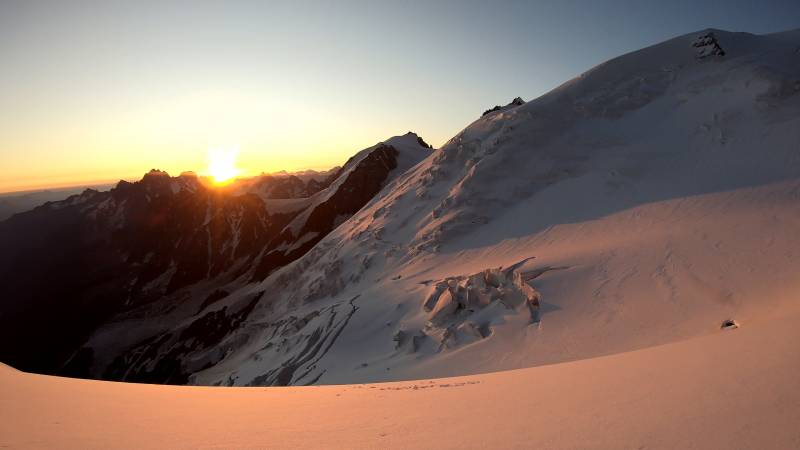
733	389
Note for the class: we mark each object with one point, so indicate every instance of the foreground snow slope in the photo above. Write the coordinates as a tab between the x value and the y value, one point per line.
733	389
646	201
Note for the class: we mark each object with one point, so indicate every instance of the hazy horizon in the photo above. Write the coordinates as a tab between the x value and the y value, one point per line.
97	91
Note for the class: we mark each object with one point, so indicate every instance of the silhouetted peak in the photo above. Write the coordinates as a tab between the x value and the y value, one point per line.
122	184
156	173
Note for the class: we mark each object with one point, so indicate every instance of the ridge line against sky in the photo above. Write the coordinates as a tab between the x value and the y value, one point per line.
105	90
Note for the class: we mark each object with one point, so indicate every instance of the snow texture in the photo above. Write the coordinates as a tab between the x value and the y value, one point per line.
632	186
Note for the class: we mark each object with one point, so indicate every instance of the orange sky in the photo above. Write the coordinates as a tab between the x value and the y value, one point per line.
103	91
76	143
95	91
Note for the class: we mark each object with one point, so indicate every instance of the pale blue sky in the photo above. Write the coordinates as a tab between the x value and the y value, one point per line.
102	90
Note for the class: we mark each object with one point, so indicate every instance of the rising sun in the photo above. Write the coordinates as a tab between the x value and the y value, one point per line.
222	165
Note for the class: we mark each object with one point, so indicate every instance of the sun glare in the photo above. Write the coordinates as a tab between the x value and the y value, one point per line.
222	165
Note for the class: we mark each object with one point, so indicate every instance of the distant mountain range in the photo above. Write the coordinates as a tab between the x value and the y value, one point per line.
16	202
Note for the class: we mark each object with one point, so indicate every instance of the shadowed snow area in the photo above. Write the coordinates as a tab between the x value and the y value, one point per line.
652	197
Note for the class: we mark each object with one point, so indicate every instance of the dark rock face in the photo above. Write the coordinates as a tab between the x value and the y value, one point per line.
69	266
357	188
707	45
159	256
422	142
160	358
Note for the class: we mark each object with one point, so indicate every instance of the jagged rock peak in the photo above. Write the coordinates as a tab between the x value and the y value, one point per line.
419	139
156	172
155	176
518	101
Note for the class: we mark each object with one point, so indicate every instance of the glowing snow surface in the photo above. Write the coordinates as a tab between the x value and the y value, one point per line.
733	389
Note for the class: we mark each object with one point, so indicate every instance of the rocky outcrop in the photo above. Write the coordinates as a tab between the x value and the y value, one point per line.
514	103
707	45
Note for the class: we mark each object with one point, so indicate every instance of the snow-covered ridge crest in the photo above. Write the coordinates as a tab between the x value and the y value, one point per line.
507	156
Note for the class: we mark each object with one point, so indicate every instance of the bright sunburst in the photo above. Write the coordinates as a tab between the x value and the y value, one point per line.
222	165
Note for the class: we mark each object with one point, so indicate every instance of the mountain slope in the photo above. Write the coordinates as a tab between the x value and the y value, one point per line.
645	202
112	273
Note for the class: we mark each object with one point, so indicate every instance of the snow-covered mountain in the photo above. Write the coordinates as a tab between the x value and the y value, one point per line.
646	201
108	272
631	236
